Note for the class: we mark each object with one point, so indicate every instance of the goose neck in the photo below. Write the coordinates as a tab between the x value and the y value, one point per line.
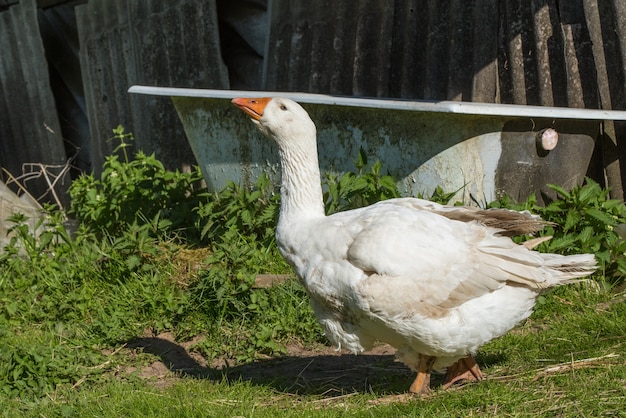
301	190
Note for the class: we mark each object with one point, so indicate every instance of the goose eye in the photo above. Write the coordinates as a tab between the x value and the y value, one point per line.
283	107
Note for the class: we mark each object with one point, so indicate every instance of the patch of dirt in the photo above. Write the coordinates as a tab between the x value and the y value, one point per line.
303	370
618	298
189	262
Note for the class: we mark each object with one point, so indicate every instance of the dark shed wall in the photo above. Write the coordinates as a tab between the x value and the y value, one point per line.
146	42
535	52
60	39
508	51
607	28
29	127
108	67
175	44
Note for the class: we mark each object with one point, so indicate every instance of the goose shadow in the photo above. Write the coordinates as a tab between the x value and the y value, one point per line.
321	374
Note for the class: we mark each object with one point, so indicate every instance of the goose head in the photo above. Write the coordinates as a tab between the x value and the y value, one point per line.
281	119
290	126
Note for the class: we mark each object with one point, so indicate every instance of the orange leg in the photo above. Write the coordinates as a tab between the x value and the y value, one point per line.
421	385
464	370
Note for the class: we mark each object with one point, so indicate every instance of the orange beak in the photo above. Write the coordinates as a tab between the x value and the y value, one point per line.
252	107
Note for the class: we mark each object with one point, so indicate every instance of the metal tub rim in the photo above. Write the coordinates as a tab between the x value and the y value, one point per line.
468	108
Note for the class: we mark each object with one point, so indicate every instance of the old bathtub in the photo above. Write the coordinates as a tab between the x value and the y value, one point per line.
480	150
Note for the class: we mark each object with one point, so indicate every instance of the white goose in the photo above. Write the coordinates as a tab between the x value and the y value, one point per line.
436	282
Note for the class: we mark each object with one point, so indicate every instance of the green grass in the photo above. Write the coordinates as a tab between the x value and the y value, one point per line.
89	322
531	373
566	360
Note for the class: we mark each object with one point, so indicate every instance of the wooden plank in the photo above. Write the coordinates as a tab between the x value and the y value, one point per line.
264	281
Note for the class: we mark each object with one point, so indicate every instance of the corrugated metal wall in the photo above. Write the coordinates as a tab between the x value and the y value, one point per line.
29	126
175	44
606	22
108	66
535	52
146	42
445	49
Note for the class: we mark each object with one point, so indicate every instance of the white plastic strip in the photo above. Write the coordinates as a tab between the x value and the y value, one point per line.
467	108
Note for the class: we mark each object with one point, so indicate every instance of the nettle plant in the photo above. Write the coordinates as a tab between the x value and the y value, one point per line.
137	190
358	189
585	220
